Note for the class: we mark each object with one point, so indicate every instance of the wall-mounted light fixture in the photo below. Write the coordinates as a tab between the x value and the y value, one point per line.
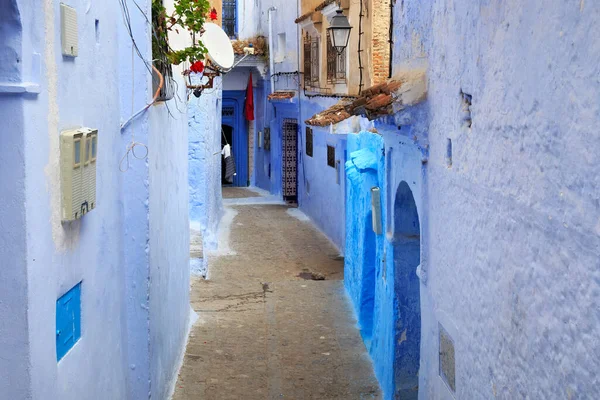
339	30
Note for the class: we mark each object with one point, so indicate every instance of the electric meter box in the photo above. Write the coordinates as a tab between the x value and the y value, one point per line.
78	150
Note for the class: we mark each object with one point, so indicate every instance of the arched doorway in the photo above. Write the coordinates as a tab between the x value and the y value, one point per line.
407	256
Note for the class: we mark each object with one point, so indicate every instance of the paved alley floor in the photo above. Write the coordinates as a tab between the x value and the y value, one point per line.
266	329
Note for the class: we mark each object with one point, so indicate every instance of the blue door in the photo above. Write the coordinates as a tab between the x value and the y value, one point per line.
235	132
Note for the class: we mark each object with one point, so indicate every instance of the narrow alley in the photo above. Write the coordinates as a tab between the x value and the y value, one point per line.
274	321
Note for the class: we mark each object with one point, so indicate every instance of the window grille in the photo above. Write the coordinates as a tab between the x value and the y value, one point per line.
227	112
311	61
307	63
336	63
309	141
331	156
230	18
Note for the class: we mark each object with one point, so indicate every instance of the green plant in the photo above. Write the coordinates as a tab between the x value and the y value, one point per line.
189	15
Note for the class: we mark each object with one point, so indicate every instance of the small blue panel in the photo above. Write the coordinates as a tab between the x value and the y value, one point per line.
68	321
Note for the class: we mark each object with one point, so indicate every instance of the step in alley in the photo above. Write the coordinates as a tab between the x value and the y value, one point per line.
274	321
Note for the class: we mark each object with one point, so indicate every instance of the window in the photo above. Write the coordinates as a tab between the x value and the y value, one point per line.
331	156
336	63
230	18
311	61
309	141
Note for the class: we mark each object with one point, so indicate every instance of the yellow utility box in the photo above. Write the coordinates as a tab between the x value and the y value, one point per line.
78	150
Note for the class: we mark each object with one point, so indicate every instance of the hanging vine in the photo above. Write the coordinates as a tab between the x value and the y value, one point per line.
188	15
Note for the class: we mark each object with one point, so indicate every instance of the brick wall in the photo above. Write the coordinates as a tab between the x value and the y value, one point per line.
381	35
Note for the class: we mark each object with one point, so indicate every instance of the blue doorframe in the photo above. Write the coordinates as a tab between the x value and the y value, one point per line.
234	99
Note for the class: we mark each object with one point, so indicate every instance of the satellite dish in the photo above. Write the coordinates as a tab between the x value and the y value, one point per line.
218	44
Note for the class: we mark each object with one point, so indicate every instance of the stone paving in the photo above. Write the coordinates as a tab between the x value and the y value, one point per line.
264	332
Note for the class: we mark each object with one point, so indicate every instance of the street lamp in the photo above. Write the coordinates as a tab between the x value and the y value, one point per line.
339	30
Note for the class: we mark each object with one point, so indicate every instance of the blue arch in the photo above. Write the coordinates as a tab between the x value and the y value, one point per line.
406	244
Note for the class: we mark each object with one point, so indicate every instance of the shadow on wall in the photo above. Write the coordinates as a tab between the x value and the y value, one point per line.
406	244
367	301
10	42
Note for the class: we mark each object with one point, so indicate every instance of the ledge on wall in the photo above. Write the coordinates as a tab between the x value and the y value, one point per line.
19	88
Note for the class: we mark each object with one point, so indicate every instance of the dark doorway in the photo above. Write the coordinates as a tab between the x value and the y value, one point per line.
407	257
226	138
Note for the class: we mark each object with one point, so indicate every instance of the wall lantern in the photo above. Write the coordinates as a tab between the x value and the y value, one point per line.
339	30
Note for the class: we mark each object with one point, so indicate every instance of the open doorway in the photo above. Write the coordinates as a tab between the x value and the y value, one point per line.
226	138
407	257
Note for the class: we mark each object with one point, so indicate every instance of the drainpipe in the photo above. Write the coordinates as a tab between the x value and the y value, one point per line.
271	49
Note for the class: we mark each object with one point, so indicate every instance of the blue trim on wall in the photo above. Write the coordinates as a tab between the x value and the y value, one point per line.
236	99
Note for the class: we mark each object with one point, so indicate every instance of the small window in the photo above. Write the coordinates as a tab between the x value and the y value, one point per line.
267	138
77	153
331	156
309	141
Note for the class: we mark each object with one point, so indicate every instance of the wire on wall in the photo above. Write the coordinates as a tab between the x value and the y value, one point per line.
391	38
360	33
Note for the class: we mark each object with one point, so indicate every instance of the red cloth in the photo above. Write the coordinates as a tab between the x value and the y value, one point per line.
249	109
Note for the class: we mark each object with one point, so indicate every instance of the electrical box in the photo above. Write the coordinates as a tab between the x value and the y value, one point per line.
68	30
78	151
68	321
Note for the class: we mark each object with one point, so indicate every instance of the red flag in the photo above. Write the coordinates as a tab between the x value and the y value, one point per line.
249	109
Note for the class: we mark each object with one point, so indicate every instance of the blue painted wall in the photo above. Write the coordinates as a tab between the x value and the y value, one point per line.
509	231
130	342
319	195
375	278
206	203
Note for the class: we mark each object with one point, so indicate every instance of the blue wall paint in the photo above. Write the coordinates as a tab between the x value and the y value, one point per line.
324	201
510	199
111	248
401	163
206	203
